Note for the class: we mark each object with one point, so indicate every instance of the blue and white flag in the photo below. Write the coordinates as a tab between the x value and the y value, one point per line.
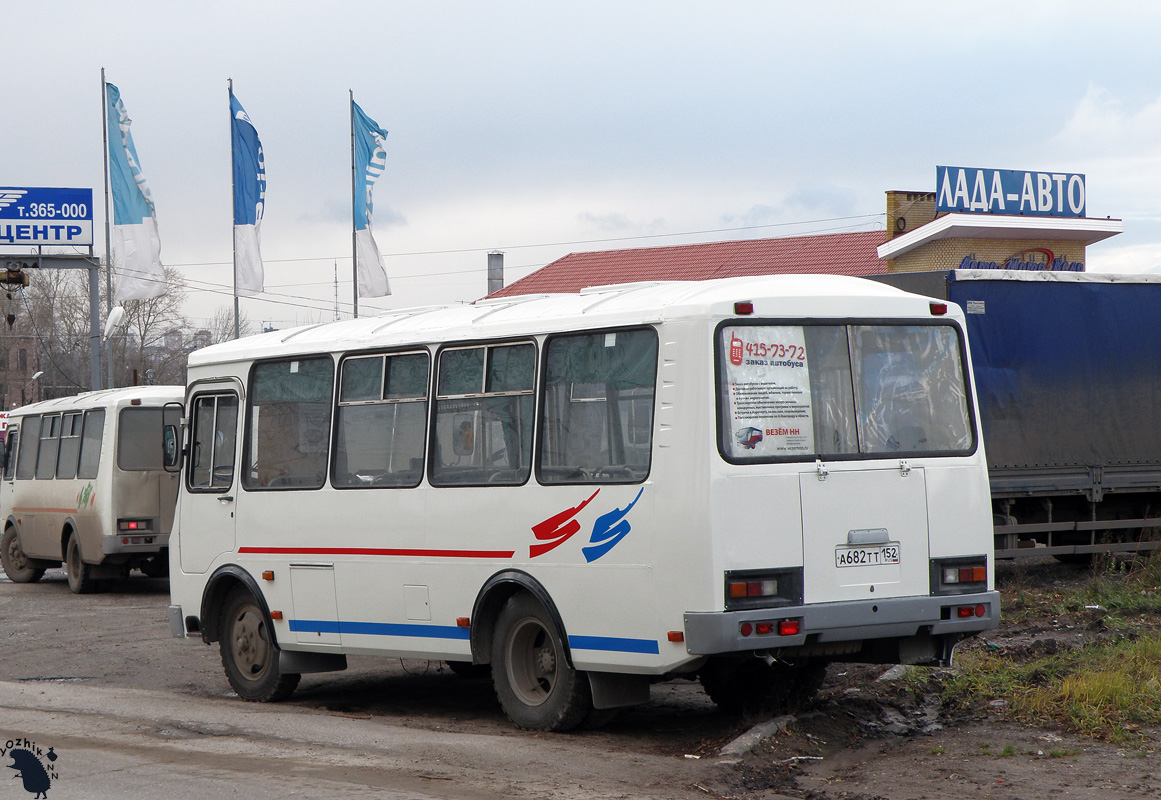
136	245
249	198
370	155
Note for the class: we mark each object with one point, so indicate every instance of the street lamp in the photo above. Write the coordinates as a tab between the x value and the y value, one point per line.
37	376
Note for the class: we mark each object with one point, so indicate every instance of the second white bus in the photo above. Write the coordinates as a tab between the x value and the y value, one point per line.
739	480
85	484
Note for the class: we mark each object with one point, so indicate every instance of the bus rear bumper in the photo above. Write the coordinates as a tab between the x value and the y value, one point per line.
134	543
901	618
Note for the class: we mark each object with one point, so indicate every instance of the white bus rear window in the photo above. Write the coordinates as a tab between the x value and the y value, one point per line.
806	391
139	445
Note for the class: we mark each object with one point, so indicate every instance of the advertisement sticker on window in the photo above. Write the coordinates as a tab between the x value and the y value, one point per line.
768	381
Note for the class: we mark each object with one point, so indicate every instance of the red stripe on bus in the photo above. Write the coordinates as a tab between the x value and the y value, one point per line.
373	551
32	510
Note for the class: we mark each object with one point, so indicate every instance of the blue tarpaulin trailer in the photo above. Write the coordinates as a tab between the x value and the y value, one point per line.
1068	373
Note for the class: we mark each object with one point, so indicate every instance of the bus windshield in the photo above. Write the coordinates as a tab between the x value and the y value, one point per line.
800	392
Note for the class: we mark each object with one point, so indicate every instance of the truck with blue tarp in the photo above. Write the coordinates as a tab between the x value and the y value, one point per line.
1068	373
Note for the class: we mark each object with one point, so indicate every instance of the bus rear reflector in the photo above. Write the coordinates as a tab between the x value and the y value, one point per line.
675	636
744	307
938	309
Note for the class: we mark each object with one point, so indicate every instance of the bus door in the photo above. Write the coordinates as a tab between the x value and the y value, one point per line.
864	533
207	510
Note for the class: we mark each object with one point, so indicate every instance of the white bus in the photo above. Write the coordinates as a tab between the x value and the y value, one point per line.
84	484
736	480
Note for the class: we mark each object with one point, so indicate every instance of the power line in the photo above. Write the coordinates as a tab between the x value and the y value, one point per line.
555	244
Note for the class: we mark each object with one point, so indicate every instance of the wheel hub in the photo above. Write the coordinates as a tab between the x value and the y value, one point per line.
546	661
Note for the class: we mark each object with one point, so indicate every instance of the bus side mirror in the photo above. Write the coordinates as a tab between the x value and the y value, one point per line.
170	443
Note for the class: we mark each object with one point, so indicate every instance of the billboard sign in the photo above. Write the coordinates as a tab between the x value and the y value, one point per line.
39	216
975	190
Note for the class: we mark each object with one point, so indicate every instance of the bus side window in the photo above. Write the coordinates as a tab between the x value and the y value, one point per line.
215	426
11	443
598	407
94	431
382	420
70	446
484	415
26	455
288	424
49	443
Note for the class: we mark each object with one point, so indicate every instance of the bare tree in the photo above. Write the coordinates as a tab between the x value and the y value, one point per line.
221	325
151	347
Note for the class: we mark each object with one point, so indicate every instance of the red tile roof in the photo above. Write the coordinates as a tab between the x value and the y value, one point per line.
833	254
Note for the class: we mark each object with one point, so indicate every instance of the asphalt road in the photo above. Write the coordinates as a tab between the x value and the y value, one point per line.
131	712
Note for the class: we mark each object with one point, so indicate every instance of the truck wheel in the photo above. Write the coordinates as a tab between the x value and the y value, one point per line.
535	684
17	566
79	573
751	685
249	652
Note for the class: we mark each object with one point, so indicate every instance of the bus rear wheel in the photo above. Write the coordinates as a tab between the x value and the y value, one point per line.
535	684
750	685
17	566
80	574
249	652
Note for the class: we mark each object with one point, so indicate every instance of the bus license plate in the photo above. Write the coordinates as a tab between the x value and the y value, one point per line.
866	556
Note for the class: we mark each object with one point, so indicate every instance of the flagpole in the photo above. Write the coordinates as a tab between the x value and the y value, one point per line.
233	190
354	233
104	343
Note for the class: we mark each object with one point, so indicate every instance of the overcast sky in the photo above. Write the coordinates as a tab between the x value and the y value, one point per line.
542	128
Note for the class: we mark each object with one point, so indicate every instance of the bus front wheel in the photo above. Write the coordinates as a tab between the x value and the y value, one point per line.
249	652
17	566
535	684
80	574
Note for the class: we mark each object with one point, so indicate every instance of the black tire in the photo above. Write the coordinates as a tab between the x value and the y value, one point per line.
18	567
750	685
157	566
537	687
250	653
80	574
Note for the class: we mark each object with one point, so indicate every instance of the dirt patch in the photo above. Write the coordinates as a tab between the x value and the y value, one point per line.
887	734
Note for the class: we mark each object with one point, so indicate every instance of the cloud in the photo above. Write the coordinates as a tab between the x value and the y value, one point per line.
620	223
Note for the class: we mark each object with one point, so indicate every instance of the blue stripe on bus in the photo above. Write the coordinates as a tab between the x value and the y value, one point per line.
614	644
606	643
379	629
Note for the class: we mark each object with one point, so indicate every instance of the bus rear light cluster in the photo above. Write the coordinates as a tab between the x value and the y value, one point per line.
964	574
764	588
782	627
136	540
767	588
134	524
959	575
